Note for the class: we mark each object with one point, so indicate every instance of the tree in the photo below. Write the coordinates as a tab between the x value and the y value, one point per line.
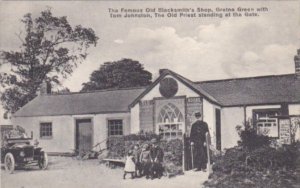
51	48
118	74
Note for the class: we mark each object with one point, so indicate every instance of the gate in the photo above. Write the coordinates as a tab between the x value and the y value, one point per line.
187	163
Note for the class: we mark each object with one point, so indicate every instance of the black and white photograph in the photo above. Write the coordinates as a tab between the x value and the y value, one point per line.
150	93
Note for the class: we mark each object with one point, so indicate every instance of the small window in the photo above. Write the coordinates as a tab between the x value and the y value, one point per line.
115	127
266	121
46	130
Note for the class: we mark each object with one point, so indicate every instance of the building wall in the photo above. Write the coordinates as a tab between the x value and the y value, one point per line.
135	119
230	118
152	94
208	108
182	91
63	129
209	116
100	125
294	109
249	109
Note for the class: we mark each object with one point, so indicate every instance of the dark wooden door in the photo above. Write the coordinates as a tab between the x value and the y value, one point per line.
187	153
218	129
84	135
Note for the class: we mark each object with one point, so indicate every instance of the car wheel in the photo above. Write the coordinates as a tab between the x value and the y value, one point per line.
9	162
43	162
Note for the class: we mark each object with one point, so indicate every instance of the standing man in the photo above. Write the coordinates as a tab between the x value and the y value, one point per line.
198	142
156	157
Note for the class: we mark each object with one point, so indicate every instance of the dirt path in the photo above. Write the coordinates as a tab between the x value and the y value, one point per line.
65	172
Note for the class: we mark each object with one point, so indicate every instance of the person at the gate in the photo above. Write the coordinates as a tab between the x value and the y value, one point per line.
198	143
156	158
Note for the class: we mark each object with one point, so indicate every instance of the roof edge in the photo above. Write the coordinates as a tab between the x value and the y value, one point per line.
181	79
66	114
243	78
97	91
259	104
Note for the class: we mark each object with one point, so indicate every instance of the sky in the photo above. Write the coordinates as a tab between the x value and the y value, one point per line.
197	48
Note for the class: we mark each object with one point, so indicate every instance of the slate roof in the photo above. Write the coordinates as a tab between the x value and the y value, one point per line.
254	90
103	101
262	90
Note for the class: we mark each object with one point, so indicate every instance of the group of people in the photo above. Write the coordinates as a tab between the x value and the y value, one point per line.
147	161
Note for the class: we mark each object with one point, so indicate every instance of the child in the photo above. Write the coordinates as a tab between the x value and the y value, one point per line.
129	165
145	161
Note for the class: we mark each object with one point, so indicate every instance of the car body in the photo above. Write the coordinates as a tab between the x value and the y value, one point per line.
17	151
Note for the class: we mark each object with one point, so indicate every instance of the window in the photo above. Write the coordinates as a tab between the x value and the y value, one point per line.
46	130
115	127
266	121
170	122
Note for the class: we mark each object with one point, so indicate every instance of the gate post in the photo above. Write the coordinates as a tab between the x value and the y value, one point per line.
183	153
209	169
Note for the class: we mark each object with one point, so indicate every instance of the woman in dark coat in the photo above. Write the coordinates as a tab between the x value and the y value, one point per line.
198	142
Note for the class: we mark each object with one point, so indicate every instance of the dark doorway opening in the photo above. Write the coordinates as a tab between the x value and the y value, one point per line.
84	135
218	129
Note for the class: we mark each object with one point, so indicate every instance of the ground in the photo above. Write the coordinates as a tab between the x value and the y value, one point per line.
68	172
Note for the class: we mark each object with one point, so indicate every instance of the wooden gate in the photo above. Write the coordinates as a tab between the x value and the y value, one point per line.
187	153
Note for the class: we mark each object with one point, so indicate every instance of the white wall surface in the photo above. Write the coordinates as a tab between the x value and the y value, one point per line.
100	124
230	118
135	118
63	131
294	109
209	116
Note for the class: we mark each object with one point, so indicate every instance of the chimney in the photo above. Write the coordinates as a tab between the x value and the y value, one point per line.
45	88
161	71
297	64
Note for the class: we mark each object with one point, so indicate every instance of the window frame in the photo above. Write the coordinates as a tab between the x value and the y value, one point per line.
271	119
166	112
109	125
179	129
41	124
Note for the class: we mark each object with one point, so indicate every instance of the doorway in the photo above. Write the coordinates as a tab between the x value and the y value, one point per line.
84	135
218	129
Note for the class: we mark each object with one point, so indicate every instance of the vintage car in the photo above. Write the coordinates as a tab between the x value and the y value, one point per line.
17	151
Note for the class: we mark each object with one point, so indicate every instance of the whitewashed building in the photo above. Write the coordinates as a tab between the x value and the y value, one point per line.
64	122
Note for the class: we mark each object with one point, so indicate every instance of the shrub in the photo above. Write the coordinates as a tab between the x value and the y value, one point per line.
116	147
261	167
249	137
254	163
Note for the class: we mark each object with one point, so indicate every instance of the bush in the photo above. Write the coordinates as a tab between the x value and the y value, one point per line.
256	164
262	167
173	156
116	147
250	139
